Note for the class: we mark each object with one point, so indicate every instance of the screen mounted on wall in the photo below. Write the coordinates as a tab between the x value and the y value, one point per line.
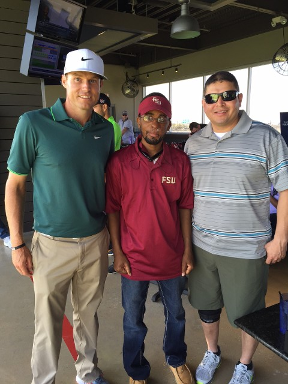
43	58
56	19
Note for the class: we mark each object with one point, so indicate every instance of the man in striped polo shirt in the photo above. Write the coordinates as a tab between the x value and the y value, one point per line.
234	160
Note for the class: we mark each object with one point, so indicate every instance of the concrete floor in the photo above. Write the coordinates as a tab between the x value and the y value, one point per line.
16	319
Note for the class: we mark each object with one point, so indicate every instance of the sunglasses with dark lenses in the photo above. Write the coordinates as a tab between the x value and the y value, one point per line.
212	98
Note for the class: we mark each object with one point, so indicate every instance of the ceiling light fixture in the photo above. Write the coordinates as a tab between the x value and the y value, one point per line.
176	66
278	20
185	26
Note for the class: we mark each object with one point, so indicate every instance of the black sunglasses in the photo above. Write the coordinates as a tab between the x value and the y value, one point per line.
212	98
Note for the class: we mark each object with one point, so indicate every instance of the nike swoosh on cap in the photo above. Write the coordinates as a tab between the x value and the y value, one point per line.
97	137
82	59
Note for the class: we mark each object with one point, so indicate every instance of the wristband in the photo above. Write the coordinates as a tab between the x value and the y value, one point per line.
18	247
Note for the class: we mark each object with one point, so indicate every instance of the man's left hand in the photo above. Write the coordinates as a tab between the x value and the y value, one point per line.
187	263
276	251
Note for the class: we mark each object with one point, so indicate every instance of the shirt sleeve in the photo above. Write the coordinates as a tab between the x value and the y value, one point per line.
113	186
22	153
129	125
187	196
278	163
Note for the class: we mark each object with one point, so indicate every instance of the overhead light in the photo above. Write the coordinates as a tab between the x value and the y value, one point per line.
176	66
101	33
279	19
185	26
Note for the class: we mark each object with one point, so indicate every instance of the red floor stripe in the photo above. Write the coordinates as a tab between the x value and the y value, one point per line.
67	335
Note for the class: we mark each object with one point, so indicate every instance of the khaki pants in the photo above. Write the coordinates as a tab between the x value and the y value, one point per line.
58	262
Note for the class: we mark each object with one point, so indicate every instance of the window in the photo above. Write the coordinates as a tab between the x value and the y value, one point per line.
186	98
268	95
161	88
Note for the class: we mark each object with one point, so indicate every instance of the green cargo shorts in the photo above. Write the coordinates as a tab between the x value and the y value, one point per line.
217	281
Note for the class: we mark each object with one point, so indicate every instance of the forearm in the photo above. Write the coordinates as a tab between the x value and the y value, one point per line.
185	222
281	232
14	205
277	248
273	201
124	130
121	263
114	229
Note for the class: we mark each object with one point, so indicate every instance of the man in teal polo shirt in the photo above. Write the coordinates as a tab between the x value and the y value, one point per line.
66	147
102	108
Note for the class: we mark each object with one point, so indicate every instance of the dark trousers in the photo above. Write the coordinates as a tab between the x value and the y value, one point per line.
134	295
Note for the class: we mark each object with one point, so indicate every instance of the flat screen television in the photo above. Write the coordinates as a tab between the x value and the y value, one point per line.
56	19
43	58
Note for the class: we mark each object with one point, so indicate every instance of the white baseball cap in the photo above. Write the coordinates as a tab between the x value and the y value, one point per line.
84	60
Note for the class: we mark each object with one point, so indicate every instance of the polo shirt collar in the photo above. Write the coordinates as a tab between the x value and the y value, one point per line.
111	119
243	126
58	111
59	114
165	157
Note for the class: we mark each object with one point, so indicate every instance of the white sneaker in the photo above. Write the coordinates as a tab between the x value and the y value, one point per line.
206	369
7	242
242	375
99	380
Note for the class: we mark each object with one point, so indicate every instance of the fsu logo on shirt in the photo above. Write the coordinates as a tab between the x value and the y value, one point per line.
168	179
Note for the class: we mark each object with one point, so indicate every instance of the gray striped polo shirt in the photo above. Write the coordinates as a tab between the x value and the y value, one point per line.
232	180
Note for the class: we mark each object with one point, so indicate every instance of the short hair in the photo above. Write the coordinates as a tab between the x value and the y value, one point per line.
221	76
194	125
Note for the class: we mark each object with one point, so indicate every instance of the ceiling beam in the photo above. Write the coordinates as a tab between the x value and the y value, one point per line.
166	46
107	19
163	39
257	9
199	4
104	31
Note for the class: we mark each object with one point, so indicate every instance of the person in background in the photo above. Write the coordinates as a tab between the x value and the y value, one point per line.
194	127
66	147
234	160
148	201
274	196
127	129
102	108
4	234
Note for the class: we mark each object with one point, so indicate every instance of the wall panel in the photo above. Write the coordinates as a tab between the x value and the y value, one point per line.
18	93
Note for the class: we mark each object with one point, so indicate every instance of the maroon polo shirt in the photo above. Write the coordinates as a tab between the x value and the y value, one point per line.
148	197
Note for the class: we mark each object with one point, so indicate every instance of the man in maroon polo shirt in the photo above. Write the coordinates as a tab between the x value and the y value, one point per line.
149	200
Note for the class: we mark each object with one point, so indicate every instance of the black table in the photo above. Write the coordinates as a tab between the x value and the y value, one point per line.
263	325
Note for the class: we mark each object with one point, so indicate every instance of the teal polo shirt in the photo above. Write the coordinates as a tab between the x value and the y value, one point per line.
67	162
